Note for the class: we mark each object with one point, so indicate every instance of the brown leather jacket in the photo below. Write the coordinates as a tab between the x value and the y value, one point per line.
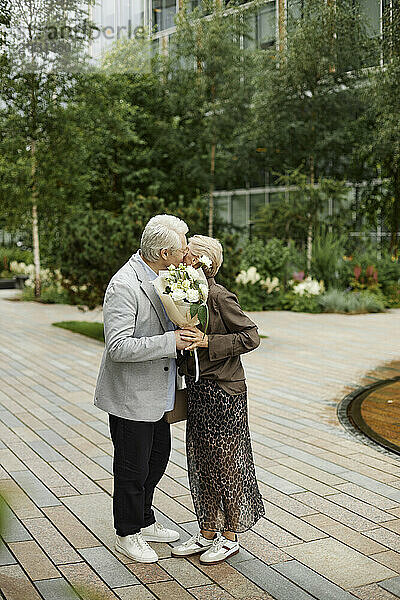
230	334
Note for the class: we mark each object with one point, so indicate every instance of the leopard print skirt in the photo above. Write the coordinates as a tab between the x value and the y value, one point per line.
220	459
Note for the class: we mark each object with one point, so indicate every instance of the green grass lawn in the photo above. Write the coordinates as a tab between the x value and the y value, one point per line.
93	330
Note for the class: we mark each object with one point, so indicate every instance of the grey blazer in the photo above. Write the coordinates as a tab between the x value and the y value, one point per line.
133	377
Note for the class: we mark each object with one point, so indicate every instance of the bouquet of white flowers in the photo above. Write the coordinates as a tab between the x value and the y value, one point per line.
183	291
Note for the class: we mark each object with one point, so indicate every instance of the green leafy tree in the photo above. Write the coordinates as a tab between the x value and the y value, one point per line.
381	147
42	43
302	212
208	77
308	94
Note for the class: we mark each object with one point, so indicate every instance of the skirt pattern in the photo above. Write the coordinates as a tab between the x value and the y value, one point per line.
220	459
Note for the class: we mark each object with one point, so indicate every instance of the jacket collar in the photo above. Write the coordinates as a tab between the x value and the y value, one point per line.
149	289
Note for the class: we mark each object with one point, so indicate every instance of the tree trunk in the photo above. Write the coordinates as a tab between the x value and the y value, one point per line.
310	223
35	229
211	193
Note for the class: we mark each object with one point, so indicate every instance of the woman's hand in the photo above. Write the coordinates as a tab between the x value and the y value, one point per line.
195	337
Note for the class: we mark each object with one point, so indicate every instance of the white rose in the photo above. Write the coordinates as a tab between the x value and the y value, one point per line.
191	271
193	295
178	295
207	262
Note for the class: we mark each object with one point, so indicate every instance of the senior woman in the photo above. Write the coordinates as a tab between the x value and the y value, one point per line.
220	462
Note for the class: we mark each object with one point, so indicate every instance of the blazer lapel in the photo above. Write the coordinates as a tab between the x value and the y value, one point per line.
152	295
150	292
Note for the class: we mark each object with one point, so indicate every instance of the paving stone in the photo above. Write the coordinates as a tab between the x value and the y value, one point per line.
385	537
12	528
171	507
9	461
376	500
95	510
372	592
170	590
390	559
210	592
310	581
34	561
231	579
345	534
291	523
86	583
325	506
279	483
45	450
105	461
56	589
361	508
15	585
272	582
339	563
75	477
302	480
261	548
288	503
18	500
52	542
391	585
134	592
35	489
275	534
76	533
6	558
52	438
184	572
372	485
109	568
149	573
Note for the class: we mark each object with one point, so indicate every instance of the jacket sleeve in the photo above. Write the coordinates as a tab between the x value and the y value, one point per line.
119	311
242	337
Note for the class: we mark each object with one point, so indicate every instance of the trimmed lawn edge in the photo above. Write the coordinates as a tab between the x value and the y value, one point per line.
89	329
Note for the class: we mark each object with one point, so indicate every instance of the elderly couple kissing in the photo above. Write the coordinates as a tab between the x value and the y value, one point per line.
136	386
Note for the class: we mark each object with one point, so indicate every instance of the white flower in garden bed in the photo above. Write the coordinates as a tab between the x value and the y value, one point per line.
309	287
249	276
271	285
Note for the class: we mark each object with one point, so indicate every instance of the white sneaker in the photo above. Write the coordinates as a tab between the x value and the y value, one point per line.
158	533
221	549
194	545
134	546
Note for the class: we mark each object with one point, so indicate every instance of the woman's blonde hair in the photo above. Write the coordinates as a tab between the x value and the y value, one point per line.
203	245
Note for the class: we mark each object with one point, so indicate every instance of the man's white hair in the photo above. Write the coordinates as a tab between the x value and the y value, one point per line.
162	231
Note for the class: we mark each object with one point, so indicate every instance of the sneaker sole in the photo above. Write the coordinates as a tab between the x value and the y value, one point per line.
154	539
141	560
191	553
215	562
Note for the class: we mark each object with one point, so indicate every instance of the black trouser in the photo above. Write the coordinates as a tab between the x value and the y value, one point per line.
141	453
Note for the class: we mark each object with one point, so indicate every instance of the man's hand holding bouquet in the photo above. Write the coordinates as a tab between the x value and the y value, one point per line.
183	291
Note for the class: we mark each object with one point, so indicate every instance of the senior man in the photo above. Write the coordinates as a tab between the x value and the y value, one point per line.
137	382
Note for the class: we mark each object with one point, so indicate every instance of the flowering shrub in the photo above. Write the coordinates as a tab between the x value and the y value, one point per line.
53	283
249	276
309	287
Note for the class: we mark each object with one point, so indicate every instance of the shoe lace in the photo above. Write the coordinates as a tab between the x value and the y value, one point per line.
192	540
141	542
218	542
159	526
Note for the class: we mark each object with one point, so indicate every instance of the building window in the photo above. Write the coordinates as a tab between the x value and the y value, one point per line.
164	14
261	28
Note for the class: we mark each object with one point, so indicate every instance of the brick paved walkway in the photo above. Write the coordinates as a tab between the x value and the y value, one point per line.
332	530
